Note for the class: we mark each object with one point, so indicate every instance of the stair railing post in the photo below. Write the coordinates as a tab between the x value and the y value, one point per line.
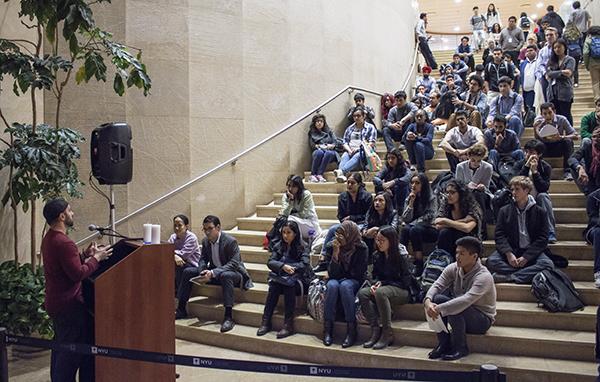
3	356
489	373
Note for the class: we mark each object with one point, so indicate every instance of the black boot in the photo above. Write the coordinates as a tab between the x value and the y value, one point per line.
375	334
328	333
386	339
350	335
265	327
418	270
287	330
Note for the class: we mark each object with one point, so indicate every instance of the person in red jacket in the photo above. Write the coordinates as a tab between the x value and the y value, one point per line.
64	268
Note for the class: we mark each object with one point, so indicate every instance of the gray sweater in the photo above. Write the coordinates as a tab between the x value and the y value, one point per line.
512	39
475	288
483	174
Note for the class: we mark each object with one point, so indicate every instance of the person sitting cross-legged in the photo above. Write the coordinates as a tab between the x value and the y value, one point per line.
502	143
465	297
521	237
418	141
458	139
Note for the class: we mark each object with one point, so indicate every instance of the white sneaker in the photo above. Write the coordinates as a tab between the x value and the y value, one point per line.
597	279
313	179
339	176
321	179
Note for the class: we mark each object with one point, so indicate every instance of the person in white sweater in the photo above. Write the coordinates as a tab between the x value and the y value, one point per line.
469	305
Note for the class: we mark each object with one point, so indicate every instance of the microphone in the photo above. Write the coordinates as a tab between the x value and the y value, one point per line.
93	227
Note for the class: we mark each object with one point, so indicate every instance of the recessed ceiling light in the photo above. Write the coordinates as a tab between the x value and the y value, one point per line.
539	5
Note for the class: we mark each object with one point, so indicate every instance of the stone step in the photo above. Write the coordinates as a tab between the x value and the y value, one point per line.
498	340
308	348
557	173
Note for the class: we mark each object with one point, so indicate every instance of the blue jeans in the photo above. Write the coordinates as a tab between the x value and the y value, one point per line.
400	191
350	163
593	237
320	160
494	157
418	153
516	124
344	289
528	99
390	135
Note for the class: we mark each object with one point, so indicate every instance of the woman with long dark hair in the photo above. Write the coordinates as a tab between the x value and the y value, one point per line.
390	283
492	17
298	205
347	271
381	213
394	177
417	218
323	143
289	266
559	74
459	215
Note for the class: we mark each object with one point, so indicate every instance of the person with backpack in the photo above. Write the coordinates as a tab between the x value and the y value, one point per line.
582	20
525	23
494	71
346	273
459	215
417	217
464	296
394	177
390	282
521	237
539	171
509	104
554	19
503	144
591	57
290	271
572	36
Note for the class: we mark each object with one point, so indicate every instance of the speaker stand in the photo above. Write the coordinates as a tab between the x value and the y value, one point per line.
111	239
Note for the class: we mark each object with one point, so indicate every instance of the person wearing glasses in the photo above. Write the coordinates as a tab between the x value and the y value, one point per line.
187	254
221	264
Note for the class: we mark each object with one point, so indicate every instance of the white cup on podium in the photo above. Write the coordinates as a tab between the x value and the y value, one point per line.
155	233
147	233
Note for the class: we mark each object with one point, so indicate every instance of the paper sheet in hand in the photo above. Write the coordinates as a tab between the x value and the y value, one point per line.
436	325
198	280
548	131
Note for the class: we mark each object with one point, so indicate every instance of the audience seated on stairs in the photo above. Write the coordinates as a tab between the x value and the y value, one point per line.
465	52
389	283
298	205
354	136
359	100
290	274
459	215
502	143
521	237
420	209
473	101
353	205
539	172
346	273
399	117
387	103
459	67
394	177
465	297
559	73
187	254
381	213
421	99
451	83
434	111
221	264
509	104
458	139
325	147
559	144
418	141
590	121
426	80
585	163
591	234
479	68
494	71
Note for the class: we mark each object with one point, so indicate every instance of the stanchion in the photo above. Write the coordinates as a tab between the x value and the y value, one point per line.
3	356
489	373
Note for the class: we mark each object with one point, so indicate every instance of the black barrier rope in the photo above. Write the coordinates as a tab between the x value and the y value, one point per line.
487	373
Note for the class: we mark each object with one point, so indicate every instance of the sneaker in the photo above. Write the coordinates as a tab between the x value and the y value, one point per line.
552	238
339	176
313	179
597	279
568	176
499	279
321	179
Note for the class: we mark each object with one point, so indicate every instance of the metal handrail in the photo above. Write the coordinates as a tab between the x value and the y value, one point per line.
231	161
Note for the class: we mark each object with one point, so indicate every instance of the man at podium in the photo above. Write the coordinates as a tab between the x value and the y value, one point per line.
64	268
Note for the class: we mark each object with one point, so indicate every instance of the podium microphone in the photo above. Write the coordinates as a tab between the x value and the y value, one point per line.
94	228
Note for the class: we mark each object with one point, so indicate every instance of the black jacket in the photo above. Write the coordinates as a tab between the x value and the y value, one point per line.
325	137
373	219
541	180
583	156
299	260
357	269
389	274
507	231
356	210
229	255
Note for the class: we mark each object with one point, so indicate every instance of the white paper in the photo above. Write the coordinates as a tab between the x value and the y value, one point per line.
155	234
548	131
436	325
147	233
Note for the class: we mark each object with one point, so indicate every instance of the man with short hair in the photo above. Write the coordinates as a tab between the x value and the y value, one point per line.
539	171
527	70
582	20
585	164
465	297
502	143
512	39
553	19
465	52
590	121
458	67
478	25
433	110
221	264
551	35
521	237
420	30
64	269
418	140
559	144
399	117
359	100
473	101
509	104
459	139
495	70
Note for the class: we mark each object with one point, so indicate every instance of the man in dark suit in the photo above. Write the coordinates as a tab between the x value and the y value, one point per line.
221	264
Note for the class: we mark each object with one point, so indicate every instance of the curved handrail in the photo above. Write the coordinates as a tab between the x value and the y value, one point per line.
231	161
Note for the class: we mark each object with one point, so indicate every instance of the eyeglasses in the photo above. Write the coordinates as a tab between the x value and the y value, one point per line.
451	192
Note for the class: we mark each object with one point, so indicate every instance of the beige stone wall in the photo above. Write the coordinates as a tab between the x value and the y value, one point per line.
225	75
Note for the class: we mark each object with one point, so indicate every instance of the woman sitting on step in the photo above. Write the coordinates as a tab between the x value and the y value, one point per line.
459	216
417	218
298	205
346	273
323	144
381	213
390	283
394	177
290	267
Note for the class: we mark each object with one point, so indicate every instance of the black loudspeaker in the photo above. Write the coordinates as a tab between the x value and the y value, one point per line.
112	155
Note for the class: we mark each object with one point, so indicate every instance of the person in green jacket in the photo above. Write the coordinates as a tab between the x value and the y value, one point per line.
590	121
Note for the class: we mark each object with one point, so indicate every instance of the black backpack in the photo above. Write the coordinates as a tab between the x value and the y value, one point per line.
525	23
555	291
438	186
435	264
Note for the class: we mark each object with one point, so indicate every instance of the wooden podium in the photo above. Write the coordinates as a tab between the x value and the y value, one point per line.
132	298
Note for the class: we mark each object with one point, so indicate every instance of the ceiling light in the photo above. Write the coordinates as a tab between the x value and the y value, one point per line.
539	5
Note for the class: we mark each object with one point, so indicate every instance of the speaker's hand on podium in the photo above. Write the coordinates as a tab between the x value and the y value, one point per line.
102	253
